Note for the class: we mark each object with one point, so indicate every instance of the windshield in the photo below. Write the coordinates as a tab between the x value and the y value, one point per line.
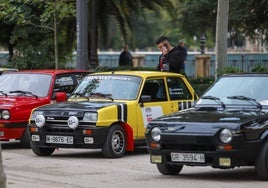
109	86
237	90
25	84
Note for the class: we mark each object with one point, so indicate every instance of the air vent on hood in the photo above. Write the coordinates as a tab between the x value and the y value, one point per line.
207	109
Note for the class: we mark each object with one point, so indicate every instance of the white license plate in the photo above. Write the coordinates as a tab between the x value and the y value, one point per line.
59	139
188	157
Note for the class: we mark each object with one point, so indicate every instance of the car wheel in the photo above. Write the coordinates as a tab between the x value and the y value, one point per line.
166	169
261	164
115	144
25	139
42	151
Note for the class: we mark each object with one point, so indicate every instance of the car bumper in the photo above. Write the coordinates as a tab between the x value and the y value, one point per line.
12	130
240	153
82	137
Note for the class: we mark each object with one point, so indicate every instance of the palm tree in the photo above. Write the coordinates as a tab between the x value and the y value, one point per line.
123	11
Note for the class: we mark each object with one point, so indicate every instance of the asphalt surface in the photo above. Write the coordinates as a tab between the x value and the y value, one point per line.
78	168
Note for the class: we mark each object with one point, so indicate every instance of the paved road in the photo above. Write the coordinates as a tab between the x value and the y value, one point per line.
76	168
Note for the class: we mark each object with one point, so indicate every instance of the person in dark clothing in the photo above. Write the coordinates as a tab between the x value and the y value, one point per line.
171	58
125	58
183	48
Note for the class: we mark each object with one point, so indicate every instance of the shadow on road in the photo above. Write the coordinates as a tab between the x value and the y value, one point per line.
93	153
233	175
11	145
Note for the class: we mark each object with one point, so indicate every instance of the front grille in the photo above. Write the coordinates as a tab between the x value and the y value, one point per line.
61	130
190	147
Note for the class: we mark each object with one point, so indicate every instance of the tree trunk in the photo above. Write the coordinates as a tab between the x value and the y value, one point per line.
82	34
221	35
93	56
2	173
55	41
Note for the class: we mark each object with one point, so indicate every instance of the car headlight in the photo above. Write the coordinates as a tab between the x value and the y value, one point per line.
156	134
226	136
40	121
5	114
90	116
35	114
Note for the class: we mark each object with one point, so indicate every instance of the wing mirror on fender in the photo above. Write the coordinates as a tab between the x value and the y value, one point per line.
60	96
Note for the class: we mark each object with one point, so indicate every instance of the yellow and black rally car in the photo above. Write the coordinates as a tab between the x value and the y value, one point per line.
109	110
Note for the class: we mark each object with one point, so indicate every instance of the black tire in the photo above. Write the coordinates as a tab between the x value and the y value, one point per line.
166	169
261	164
40	151
25	139
115	144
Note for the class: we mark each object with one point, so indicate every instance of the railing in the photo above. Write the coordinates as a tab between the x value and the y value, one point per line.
243	61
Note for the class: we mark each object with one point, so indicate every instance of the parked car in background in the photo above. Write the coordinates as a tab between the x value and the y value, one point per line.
227	128
22	91
110	111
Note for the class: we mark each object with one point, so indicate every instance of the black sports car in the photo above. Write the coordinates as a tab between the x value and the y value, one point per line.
226	128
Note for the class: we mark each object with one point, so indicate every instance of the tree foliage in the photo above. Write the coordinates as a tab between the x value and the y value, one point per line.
247	18
31	33
27	27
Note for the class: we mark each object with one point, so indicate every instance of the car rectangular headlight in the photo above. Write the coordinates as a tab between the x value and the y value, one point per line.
90	116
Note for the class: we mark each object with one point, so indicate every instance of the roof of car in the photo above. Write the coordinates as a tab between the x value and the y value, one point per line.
245	74
141	73
51	71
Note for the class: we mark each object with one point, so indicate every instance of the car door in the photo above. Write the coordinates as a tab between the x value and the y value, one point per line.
161	96
179	94
153	103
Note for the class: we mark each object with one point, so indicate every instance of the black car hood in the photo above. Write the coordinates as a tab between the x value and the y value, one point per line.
193	120
80	106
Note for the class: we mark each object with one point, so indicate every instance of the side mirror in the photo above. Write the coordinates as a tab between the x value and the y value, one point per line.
60	96
145	98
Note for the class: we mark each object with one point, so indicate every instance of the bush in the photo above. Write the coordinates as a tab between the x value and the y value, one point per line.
200	85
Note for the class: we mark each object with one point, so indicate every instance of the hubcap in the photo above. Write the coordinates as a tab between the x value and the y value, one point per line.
118	141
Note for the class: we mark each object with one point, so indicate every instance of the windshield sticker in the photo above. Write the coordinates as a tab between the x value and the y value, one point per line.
109	78
63	81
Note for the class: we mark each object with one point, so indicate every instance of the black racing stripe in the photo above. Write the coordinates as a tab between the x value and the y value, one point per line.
122	112
119	112
184	105
125	112
190	104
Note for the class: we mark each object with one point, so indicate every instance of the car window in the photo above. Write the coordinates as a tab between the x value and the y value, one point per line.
25	82
114	86
65	83
225	87
177	89
155	88
79	77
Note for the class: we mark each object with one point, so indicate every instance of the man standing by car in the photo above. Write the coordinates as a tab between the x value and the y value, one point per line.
171	58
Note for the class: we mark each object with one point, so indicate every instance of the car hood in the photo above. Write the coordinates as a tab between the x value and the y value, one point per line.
19	102
79	106
192	120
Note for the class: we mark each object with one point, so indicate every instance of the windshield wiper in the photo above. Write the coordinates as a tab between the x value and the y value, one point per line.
218	100
103	95
81	95
3	93
250	100
24	92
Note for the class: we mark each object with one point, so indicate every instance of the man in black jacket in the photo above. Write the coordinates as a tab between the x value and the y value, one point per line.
125	58
171	58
